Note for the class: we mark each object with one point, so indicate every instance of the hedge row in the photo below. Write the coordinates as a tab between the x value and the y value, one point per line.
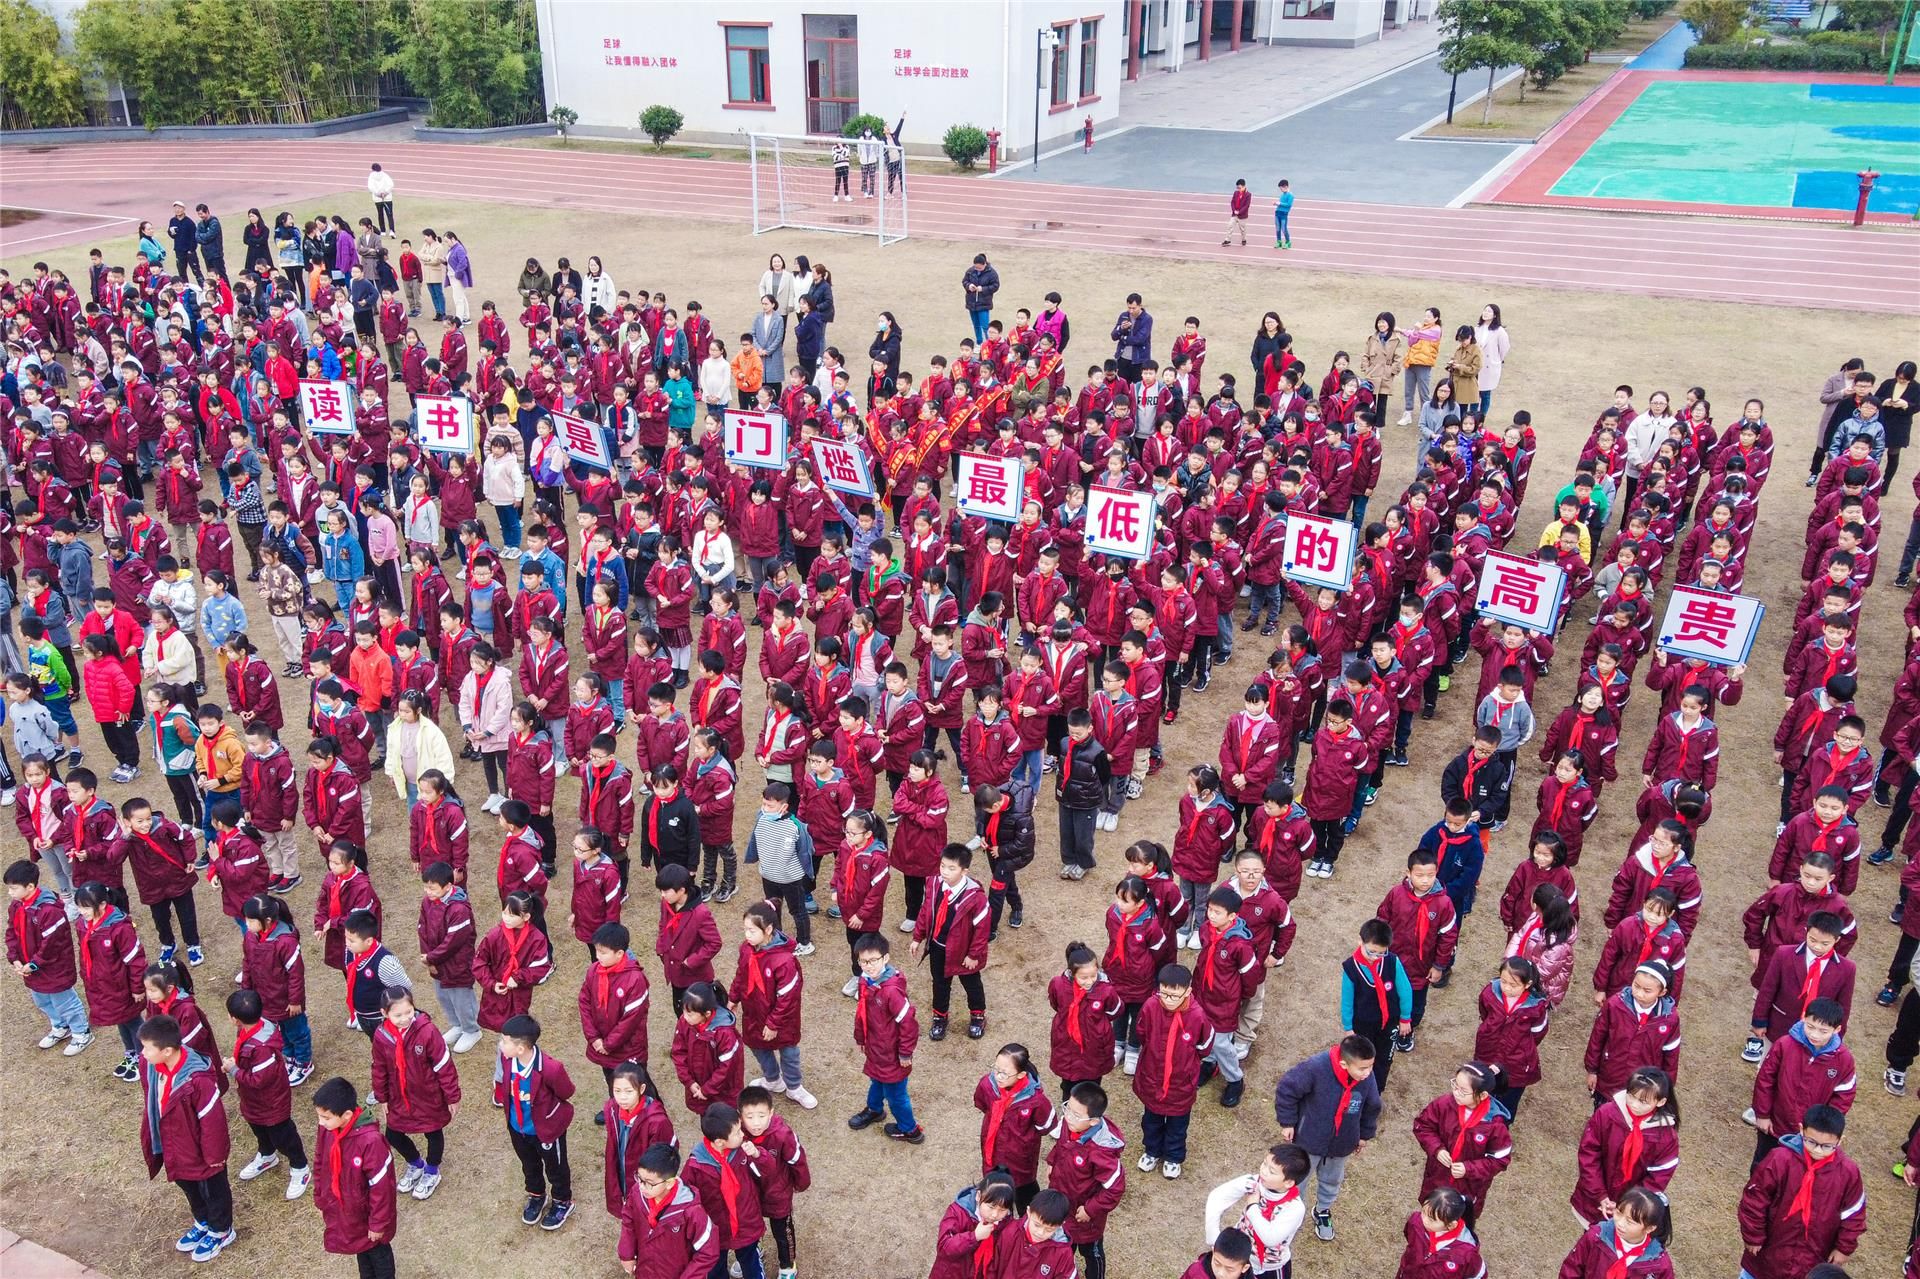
1787	57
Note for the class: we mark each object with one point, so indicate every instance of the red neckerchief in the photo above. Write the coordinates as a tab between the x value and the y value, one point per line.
166	1078
1422	921
1340	1076
1210	951
983	1252
1469	1116
1810	988
1527	930
1076	996
399	1059
334	913
1631	1148
339	1140
1436	1240
653	815
1624	1256
1002	1098
942	905
1173	1038
595	783
358	968
515	939
776	723
1559	803
992	833
1374	968
38	801
1661	868
603	978
1801	1205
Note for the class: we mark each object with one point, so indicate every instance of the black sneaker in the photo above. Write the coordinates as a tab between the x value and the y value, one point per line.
1231	1094
976	1026
1323	1225
557	1214
599	1119
536	1208
725	892
1017	918
938	1030
290	883
1207	1071
913	1138
863	1119
1403	1043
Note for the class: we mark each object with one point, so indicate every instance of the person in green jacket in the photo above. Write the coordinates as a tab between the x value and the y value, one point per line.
47	667
680	398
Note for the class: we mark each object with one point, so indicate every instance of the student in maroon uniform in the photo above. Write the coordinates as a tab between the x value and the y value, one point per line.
1175	1037
887	1030
356	1191
1085	1166
40	948
614	1001
780	1164
1810	1065
1631	1244
1017	1113
415	1079
635	1122
1082	1042
688	938
1440	1243
183	1132
720	1172
112	968
1805	1204
964	1243
664	1232
952	928
260	1076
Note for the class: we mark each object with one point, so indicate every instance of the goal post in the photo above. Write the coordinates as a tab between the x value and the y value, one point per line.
796	185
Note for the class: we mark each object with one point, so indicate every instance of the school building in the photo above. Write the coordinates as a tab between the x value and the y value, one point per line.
783	67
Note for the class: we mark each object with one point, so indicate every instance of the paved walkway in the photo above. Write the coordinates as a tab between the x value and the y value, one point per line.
25	1259
1244	90
1347	148
1755	263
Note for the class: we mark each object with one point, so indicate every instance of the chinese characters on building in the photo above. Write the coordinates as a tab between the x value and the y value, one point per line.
611	56
904	65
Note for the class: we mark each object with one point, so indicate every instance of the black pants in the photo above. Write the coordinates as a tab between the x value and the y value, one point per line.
1902	810
1076	836
495	765
376	1262
282	1138
1381	1037
931	739
1126	1027
383	216
853	950
211	1201
916	886
1093	1259
1510	1098
943	979
1903	1045
1763	1145
542	824
545	1166
186	798
1329	835
1902	960
1003	891
404	1146
717	858
124	741
794	897
181	906
1786	795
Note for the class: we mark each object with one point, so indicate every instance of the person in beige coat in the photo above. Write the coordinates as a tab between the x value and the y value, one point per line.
1464	368
486	711
433	266
414	745
1380	364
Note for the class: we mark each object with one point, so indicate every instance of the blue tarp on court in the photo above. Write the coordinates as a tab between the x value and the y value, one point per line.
1836	189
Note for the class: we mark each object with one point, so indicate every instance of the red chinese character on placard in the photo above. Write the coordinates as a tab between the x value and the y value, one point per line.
1706	620
839	465
1119	522
443	420
987	484
762	437
323	405
1315	549
1517	587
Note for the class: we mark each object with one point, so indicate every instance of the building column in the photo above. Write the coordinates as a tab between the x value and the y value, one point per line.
1237	15
1138	9
1206	29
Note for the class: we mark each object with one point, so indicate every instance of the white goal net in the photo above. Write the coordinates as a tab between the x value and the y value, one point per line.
797	183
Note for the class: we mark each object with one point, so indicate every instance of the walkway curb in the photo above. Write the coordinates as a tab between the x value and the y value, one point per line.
24	1259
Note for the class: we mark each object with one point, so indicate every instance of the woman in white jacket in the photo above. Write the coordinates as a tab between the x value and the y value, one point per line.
1644	435
597	291
1495	345
414	745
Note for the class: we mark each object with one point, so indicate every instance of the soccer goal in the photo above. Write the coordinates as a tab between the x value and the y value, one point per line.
796	184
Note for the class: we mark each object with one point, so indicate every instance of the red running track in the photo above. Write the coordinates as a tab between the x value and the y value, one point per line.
1774	265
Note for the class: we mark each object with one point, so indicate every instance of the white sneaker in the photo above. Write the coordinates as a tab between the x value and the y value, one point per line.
76	1045
465	1043
298	1181
804	948
559	768
409	1178
906	925
1147	1163
1406	419
1189	941
261	1164
428	1183
775	1086
1750	1119
1133	1060
1241	1048
491	804
733	1267
805	1099
852	987
1170	1170
54	1036
6	798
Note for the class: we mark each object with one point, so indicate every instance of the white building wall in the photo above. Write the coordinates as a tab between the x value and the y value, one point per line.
1348	23
942	64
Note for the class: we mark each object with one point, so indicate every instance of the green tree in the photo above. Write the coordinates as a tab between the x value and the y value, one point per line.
1715	21
562	118
854	126
1876	17
660	123
476	61
39	85
1491	34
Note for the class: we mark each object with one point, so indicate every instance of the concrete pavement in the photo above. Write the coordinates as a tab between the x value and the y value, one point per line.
1346	148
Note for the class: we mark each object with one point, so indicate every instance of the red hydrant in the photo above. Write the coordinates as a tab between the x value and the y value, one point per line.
1867	178
1087	133
993	150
